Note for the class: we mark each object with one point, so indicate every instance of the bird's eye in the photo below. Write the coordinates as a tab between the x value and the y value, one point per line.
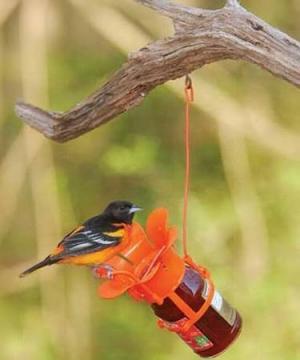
122	207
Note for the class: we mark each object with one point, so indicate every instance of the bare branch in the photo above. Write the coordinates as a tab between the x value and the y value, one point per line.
232	3
202	37
173	11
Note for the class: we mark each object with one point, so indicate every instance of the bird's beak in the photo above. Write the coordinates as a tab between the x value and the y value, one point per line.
134	209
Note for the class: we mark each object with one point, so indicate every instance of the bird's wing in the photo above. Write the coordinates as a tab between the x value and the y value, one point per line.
85	239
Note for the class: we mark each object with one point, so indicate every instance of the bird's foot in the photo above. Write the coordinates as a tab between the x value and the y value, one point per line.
103	271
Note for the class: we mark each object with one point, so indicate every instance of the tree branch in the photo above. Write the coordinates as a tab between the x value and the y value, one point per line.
201	37
232	3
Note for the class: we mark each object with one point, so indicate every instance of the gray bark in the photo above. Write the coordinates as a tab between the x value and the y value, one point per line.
201	37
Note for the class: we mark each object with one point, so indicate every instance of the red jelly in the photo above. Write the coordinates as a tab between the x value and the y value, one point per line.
217	328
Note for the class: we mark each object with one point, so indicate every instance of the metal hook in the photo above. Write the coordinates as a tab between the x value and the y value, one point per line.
188	82
189	92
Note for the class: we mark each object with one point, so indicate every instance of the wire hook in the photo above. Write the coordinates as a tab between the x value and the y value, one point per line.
188	82
189	91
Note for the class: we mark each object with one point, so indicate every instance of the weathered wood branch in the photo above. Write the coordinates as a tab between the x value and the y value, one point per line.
201	37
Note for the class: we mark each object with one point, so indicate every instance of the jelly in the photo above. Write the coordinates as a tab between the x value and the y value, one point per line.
219	326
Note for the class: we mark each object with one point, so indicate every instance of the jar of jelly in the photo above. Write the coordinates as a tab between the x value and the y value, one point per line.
176	288
215	330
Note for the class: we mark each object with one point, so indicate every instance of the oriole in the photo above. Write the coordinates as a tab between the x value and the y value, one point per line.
95	241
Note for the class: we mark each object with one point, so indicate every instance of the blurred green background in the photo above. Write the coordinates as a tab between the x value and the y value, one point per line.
244	203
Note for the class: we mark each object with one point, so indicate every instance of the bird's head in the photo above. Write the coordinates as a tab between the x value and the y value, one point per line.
121	211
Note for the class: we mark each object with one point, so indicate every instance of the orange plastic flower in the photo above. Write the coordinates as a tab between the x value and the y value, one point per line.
148	268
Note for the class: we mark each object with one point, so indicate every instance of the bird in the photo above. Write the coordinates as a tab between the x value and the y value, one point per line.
97	240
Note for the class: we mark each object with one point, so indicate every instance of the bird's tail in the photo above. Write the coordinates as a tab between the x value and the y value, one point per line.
47	261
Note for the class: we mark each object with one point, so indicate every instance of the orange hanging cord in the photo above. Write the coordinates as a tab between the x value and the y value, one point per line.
193	316
189	98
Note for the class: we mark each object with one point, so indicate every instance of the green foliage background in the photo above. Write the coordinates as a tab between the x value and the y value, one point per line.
244	203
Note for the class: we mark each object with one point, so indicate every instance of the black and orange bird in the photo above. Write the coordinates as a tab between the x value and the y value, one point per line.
95	241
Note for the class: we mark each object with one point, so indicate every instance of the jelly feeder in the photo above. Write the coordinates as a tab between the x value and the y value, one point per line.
180	292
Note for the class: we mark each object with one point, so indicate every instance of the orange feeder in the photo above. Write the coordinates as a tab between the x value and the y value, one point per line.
180	292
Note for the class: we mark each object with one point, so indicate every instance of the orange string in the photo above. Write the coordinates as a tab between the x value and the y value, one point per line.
189	98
